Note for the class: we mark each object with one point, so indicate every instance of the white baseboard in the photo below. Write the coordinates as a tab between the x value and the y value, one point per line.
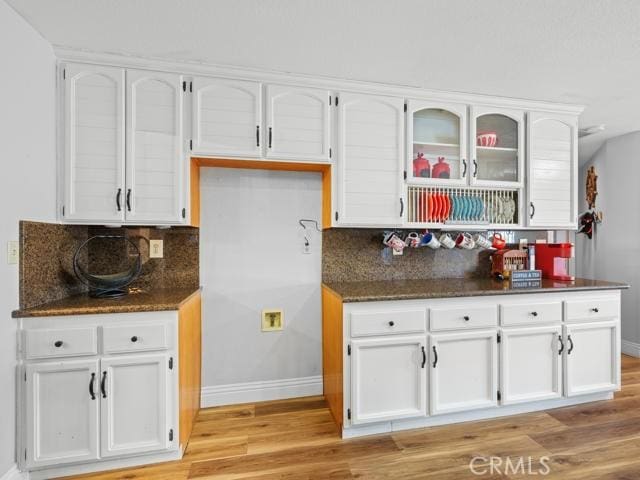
261	391
14	474
631	348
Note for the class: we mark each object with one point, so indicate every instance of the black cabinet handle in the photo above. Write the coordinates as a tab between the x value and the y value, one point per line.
270	136
424	356
435	356
533	209
570	345
595	310
128	200
118	197
466	318
257	135
58	343
134	339
91	383
464	167
475	168
103	384
535	314
561	345
391	323
401	206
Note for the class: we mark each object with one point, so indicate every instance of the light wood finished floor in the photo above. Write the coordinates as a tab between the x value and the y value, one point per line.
297	439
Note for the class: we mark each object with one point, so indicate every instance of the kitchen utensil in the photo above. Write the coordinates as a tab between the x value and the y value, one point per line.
487	139
482	241
465	241
430	240
446	241
498	242
392	240
413	240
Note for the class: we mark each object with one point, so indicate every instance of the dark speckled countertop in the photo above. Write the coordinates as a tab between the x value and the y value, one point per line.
453	287
138	301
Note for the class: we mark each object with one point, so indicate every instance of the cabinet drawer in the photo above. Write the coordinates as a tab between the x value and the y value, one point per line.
60	342
387	322
534	313
592	309
134	338
473	316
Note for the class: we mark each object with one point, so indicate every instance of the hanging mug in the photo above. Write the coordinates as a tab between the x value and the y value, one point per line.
413	240
430	240
482	241
392	240
446	241
464	240
498	242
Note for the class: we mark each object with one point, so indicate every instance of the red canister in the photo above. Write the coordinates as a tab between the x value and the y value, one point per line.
421	167
441	169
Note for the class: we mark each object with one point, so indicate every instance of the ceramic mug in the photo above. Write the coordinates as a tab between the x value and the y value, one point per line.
430	240
482	241
394	241
446	241
464	240
498	242
413	240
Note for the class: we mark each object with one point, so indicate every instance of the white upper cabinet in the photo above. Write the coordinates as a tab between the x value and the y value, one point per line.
62	412
552	170
94	150
371	159
227	117
134	409
496	147
297	123
437	143
531	364
155	166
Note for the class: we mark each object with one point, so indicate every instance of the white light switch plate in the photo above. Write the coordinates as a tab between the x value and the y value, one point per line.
13	252
156	249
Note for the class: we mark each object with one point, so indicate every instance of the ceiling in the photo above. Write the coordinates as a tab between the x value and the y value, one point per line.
571	51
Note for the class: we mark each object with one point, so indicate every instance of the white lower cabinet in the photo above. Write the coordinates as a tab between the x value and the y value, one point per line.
61	412
134	404
592	357
464	371
531	364
388	378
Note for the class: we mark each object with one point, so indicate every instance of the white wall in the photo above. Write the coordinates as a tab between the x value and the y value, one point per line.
27	190
251	258
614	252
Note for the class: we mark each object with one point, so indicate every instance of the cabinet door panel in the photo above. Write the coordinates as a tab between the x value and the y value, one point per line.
227	117
388	379
94	143
531	364
135	407
297	123
592	357
61	415
370	131
464	371
155	165
552	171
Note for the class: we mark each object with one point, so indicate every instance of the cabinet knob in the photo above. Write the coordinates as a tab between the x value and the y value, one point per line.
58	343
535	314
134	339
391	323
595	310
466	318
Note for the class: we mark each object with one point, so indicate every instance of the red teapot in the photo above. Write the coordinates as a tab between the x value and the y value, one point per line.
441	169
421	167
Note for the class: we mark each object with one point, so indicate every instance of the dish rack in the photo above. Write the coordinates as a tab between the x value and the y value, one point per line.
429	206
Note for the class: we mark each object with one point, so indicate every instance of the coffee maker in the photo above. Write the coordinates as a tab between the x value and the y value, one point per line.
553	260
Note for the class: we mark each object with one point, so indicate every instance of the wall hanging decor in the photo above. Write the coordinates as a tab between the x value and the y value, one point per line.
591	217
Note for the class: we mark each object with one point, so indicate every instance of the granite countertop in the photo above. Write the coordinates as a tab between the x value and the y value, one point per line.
453	287
137	301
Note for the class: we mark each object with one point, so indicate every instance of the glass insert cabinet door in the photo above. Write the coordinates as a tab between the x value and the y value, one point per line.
497	141
437	143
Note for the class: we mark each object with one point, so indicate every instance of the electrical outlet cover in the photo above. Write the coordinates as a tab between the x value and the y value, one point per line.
272	320
13	252
156	249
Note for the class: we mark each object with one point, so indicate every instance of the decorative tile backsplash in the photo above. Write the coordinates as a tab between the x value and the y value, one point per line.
47	249
359	255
